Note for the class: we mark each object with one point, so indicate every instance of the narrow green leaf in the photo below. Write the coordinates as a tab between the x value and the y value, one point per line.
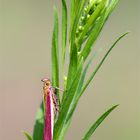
77	4
100	64
111	7
65	110
55	53
97	123
81	83
94	33
76	19
27	136
92	38
73	65
78	88
91	20
39	124
72	12
73	96
76	96
64	31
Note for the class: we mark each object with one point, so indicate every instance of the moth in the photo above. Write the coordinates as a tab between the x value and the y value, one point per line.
51	108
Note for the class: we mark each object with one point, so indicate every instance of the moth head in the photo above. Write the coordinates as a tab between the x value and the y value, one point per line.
47	82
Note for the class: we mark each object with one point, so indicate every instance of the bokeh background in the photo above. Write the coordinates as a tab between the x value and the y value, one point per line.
25	42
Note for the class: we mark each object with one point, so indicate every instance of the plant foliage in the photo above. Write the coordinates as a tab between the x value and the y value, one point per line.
27	136
87	18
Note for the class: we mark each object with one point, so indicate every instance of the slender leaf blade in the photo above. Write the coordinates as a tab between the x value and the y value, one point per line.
92	38
97	29
74	24
39	124
27	136
64	116
72	70
72	13
55	53
79	86
102	61
91	20
110	8
64	30
97	123
82	79
77	95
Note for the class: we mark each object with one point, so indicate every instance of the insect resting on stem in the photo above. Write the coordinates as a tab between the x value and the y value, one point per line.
51	108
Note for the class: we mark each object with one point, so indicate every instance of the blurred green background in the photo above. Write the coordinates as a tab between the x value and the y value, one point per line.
25	42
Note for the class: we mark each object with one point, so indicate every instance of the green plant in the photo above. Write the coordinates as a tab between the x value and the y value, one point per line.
87	18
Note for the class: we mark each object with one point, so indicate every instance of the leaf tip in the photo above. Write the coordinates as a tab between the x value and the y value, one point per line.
26	135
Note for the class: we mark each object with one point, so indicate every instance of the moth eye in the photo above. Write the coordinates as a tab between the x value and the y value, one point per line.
47	84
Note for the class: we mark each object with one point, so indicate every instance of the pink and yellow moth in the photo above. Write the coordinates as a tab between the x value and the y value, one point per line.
50	108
